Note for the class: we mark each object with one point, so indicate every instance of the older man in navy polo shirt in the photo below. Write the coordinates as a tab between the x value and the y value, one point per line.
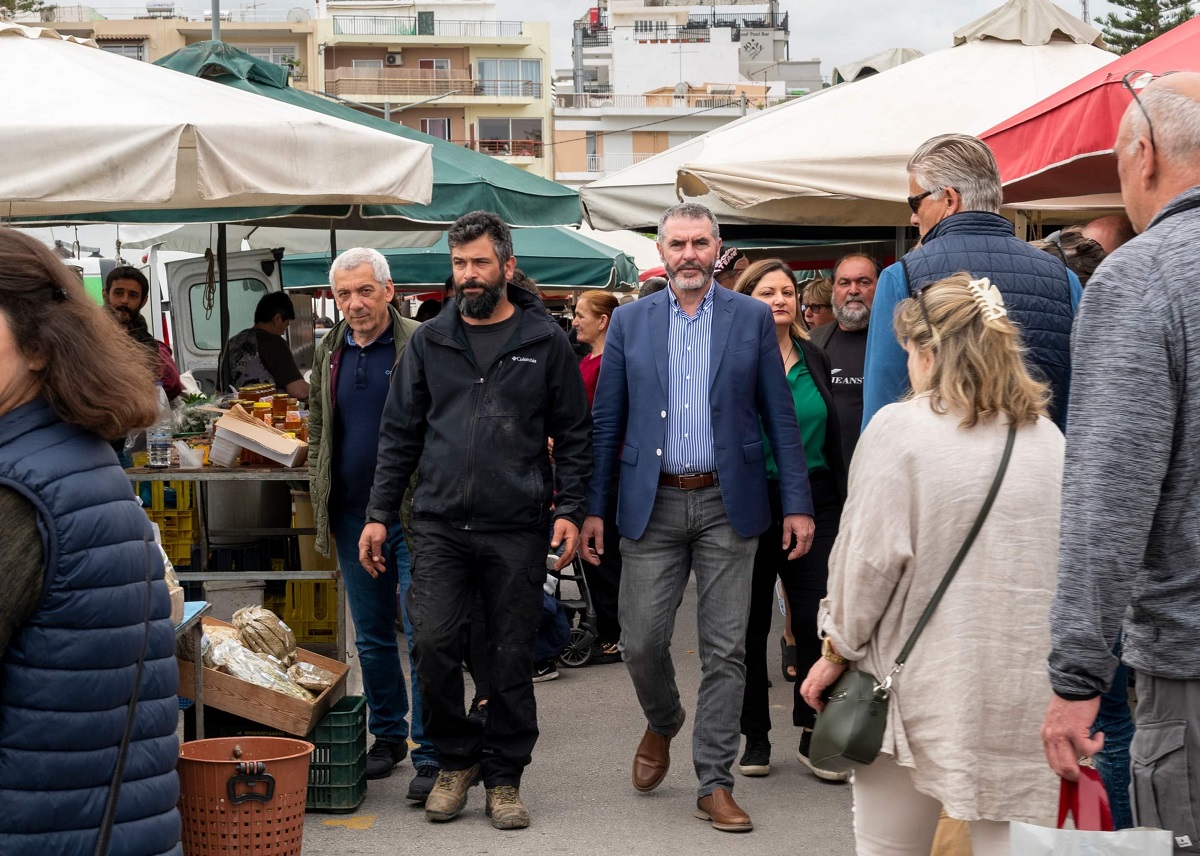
351	375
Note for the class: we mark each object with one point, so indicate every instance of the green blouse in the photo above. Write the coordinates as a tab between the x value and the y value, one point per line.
811	413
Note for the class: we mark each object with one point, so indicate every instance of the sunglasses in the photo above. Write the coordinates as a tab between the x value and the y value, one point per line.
1138	79
914	202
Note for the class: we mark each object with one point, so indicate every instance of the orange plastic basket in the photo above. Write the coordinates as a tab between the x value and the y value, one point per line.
243	795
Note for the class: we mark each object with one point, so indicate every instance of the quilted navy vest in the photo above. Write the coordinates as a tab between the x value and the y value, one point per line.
68	673
1034	283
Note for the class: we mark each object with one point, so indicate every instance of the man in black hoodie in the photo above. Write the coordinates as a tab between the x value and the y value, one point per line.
473	399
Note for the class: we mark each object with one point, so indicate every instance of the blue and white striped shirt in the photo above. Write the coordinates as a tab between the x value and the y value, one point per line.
689	444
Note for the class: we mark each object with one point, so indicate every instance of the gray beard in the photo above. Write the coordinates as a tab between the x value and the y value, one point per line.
852	316
703	282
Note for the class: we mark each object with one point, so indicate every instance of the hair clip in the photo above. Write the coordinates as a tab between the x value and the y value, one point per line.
58	294
991	302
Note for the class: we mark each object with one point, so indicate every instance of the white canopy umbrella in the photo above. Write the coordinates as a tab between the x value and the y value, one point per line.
638	247
784	165
92	131
198	237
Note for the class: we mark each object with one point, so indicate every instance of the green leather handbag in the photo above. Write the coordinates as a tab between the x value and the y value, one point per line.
848	733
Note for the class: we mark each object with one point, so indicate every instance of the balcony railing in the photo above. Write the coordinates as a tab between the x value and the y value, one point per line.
762	21
614	162
398	82
401	25
693	101
670	33
506	148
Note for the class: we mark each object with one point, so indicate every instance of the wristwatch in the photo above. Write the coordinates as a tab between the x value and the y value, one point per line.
830	654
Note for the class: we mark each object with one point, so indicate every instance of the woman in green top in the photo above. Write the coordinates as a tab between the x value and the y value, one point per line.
808	377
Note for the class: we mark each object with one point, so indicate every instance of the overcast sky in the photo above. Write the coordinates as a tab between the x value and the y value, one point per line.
836	32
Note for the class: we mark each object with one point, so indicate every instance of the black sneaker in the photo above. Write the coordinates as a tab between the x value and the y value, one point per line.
802	757
756	760
422	783
545	670
384	755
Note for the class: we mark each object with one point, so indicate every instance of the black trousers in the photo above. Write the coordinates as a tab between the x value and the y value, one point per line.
804	582
453	567
604	579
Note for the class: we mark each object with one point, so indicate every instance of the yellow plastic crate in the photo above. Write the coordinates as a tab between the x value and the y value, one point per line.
311	610
184	495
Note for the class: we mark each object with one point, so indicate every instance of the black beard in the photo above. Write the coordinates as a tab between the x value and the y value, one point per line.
484	305
121	315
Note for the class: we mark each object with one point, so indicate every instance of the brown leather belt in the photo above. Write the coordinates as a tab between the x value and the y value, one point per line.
689	481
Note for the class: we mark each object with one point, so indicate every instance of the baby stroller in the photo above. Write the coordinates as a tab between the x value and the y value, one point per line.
574	595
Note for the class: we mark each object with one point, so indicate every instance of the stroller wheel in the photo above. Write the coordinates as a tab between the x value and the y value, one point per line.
579	648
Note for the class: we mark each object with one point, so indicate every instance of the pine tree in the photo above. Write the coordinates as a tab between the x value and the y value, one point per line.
1144	20
10	9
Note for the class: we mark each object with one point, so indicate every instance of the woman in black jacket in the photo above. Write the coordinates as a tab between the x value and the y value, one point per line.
807	369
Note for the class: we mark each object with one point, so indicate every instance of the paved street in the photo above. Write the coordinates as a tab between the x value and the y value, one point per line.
579	794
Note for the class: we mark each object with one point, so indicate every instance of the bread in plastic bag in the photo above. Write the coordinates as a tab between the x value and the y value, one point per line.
312	677
237	660
264	632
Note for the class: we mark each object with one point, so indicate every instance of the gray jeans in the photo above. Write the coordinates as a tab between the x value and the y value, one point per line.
689	530
1165	755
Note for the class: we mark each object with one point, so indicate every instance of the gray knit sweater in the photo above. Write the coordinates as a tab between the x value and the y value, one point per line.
1130	546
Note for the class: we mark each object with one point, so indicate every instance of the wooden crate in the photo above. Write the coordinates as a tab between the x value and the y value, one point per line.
259	704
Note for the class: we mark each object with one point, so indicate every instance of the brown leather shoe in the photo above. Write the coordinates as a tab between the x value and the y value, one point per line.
653	757
724	813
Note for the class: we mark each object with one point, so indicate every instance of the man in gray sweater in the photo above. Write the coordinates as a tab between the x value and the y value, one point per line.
1130	551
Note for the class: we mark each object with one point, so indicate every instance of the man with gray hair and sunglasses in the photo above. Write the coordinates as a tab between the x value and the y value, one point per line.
955	197
1129	554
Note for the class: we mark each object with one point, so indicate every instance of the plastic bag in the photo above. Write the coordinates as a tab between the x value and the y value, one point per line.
312	677
1086	802
237	660
264	632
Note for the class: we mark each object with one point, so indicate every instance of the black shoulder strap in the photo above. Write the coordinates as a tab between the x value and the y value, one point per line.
907	276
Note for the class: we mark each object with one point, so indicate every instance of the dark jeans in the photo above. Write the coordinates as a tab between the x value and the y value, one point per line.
804	581
373	604
1115	720
452	567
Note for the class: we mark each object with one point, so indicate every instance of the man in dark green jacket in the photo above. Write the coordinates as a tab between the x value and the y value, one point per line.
352	368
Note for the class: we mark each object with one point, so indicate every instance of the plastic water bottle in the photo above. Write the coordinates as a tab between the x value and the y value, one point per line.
158	435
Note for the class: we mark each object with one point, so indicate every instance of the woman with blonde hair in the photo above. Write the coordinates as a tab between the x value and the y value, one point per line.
593	315
963	725
817	302
808	376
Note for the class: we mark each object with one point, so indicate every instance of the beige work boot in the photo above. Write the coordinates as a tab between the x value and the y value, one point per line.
449	795
504	807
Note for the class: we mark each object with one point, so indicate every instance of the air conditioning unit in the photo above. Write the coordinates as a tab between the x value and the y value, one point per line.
394	59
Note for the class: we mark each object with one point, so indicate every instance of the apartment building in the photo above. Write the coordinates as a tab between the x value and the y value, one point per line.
448	68
647	75
283	36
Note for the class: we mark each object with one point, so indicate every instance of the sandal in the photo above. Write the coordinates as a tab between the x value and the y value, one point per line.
606	652
789	660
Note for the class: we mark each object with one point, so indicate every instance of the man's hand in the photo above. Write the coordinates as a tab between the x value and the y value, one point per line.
567	534
1065	734
821	677
798	529
591	545
370	548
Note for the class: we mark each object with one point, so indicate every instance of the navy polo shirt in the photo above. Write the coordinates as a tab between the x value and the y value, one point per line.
364	374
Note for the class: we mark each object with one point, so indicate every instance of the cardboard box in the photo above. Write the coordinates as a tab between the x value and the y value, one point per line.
239	430
259	704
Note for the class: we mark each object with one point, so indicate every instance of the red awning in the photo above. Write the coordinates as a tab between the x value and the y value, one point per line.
1062	146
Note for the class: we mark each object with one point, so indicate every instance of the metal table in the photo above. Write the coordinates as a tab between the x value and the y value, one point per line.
192	613
257	474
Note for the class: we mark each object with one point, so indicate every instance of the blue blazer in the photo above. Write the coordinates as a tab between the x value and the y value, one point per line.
746	382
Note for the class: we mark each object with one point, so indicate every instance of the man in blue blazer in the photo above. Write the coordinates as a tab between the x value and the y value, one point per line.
688	374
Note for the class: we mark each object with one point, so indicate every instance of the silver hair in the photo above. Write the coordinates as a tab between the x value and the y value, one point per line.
689	211
358	256
1176	119
962	162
